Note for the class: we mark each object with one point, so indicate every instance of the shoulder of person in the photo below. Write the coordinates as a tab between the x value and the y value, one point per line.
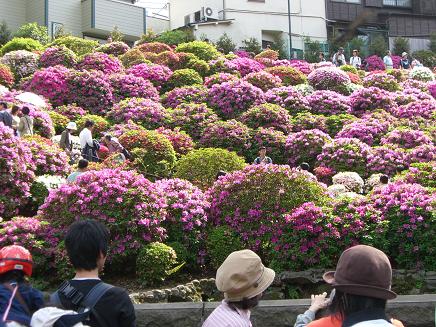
329	321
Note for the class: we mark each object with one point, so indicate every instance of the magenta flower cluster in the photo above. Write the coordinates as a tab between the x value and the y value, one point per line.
244	66
406	138
305	146
180	140
328	102
371	98
131	86
267	115
368	131
219	78
184	94
288	97
57	56
100	61
263	80
157	74
332	79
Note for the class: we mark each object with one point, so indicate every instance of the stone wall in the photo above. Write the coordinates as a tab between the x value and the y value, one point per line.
412	310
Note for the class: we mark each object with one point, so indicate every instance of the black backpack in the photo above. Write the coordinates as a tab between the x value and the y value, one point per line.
86	304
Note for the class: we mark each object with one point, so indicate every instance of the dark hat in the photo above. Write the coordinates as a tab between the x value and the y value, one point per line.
363	270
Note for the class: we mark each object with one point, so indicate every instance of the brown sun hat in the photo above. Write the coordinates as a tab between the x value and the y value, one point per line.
242	275
363	270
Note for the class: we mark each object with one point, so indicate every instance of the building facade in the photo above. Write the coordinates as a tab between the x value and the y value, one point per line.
413	19
265	20
83	18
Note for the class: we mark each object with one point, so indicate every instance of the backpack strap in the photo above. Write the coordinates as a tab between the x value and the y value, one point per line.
18	297
95	295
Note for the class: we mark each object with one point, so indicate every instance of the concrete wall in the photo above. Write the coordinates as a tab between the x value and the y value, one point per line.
158	25
86	15
13	13
68	13
180	8
412	310
415	44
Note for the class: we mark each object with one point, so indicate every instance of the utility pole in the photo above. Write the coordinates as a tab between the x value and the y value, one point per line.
290	28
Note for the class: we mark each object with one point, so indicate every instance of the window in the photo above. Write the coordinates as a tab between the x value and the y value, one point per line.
348	1
398	3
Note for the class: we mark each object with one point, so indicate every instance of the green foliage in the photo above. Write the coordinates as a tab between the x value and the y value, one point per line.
200	66
101	124
5	33
64	268
401	44
133	57
155	262
335	123
185	77
225	44
311	50
78	45
423	173
202	50
59	121
378	46
39	192
20	43
33	31
175	37
279	45
201	166
426	57
252	45
147	37
349	68
358	44
221	241
116	35
432	44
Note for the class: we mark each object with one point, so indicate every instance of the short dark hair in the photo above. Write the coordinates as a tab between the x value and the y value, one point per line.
25	110
322	54
83	163
246	304
305	166
220	173
12	275
14	109
85	241
3	104
262	148
89	123
384	179
108	136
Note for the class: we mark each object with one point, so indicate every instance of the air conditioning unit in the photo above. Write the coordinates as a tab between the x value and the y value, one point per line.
209	13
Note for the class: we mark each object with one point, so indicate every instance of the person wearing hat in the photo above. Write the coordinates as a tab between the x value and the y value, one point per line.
65	142
242	278
262	159
362	283
404	62
355	60
339	58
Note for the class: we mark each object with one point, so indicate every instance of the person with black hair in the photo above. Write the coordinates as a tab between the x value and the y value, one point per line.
87	244
304	166
25	127
87	143
321	57
262	159
5	116
219	174
82	167
384	179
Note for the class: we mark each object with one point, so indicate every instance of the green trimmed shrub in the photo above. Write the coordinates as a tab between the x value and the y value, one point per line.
201	166
202	50
221	241
200	66
155	262
288	75
133	57
101	124
175	37
21	43
33	31
349	68
423	173
78	45
184	77
59	121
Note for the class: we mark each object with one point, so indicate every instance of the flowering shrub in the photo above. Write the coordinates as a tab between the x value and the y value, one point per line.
131	86
267	115
302	65
186	94
423	74
306	120
274	142
414	84
406	138
52	83
16	172
399	74
203	50
269	54
169	59
324	174
231	135
201	166
409	211
374	63
42	123
287	97
252	201
193	118
152	153
420	173
349	68
425	109
387	160
184	77
100	124
304	146
221	242
119	129
59	121
244	66
422	153
370	98
100	61
219	78
130	206
181	142
114	48
232	98
71	111
304	89
343	153
133	57
78	45
145	112
368	131
332	79
57	56
21	62
417	93
335	123
382	81
432	89
328	102
6	76
200	66
48	157
21	43
95	85
288	75
154	47
157	74
263	80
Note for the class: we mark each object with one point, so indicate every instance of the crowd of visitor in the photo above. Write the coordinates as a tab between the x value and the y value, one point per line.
18	120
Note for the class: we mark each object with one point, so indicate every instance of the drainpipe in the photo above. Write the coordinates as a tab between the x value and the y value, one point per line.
290	29
224	9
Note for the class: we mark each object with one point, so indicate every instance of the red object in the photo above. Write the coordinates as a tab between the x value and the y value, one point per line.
103	152
15	257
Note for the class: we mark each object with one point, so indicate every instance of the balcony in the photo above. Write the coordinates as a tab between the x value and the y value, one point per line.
398	3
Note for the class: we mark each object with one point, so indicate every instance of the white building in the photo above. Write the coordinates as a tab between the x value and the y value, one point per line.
264	20
83	18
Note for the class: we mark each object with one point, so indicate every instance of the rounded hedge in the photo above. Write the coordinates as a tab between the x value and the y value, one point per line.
288	75
60	55
221	242
267	115
78	45
203	50
100	124
21	43
184	77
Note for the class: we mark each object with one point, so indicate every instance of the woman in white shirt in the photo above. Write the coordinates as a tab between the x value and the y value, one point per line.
389	64
89	152
355	60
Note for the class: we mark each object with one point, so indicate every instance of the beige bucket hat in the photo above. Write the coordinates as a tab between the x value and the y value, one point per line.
242	275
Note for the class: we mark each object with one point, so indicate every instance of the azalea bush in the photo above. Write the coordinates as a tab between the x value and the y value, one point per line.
387	160
371	98
42	123
100	61
221	242
243	66
131	86
267	115
382	81
6	76
21	43
288	97
420	173
425	109
288	75
201	166
219	78
422	153
328	103
369	131
157	74
306	120
270	138
117	48
332	79
202	50
133	57
185	94
78	45
59	121
374	63
406	138
350	180
21	62
154	47
71	111
180	140
57	56
335	123
184	77
263	80
423	74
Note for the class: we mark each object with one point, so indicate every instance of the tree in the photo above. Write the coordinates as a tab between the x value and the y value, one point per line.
357	44
116	35
175	37
33	31
61	32
279	46
401	45
432	45
225	44
147	37
5	33
378	46
311	50
252	45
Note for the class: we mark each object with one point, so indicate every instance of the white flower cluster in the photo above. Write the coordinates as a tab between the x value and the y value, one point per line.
351	180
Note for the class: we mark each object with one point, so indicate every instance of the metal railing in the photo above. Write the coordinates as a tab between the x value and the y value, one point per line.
398	3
